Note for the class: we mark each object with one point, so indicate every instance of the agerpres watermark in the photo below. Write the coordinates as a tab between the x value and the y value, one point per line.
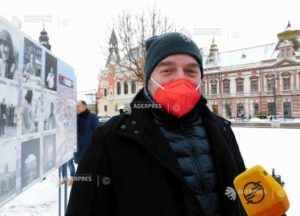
230	193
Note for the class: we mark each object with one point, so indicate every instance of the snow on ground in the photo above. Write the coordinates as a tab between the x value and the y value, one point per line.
39	200
269	147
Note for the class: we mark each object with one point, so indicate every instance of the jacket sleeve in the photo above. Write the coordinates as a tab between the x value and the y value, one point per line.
92	192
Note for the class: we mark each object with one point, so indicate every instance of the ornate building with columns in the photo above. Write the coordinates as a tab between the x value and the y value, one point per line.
258	81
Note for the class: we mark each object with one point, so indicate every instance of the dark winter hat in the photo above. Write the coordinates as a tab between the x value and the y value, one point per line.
162	46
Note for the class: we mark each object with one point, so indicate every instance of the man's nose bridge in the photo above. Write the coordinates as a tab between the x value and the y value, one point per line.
180	72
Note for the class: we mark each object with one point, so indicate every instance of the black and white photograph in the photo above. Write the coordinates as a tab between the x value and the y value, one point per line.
31	111
49	152
51	72
8	111
32	65
30	161
7	170
9	53
49	112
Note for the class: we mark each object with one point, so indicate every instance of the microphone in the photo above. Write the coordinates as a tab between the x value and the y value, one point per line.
260	193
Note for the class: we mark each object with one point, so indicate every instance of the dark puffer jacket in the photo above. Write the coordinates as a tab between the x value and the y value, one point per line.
192	149
130	169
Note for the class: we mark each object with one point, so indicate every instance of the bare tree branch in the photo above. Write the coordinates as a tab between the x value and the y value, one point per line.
132	32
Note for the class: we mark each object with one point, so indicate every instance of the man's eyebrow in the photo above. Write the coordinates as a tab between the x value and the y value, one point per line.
165	63
196	65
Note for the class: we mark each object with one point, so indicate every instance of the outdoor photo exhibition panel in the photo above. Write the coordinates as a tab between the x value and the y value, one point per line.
37	112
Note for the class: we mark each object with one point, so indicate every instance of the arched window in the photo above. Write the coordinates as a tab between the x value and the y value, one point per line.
118	88
105	108
105	92
125	87
133	87
214	87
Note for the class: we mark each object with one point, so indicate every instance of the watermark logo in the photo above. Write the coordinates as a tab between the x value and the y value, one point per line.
105	180
127	109
176	107
230	193
254	192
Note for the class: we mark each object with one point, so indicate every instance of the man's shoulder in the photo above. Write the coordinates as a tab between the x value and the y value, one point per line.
110	125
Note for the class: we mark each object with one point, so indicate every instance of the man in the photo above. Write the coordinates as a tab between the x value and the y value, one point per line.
87	122
171	155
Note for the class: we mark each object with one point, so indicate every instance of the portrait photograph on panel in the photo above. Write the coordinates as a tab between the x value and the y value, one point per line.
32	65
49	112
8	110
31	111
9	53
50	72
30	161
49	152
7	170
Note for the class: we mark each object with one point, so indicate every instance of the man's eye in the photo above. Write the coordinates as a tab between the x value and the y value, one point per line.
168	70
191	71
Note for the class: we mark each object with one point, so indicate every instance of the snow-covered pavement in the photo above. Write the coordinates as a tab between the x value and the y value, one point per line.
269	147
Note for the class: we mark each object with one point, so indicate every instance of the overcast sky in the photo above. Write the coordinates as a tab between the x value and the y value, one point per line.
79	29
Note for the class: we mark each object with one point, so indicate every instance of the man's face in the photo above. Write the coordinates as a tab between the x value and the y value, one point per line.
80	107
179	66
4	50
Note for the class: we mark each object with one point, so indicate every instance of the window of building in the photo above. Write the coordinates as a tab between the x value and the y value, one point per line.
214	87
287	110
270	84
240	110
254	85
255	109
133	87
226	87
125	87
105	108
228	110
215	109
239	85
286	83
271	108
105	92
118	88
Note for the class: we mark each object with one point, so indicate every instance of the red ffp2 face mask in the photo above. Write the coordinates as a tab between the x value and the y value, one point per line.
177	97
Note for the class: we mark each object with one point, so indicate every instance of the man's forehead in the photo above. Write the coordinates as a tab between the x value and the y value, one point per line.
173	62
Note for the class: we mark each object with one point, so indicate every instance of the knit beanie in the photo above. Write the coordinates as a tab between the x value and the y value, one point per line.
162	46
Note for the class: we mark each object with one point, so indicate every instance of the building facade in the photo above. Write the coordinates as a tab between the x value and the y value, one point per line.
117	87
258	81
